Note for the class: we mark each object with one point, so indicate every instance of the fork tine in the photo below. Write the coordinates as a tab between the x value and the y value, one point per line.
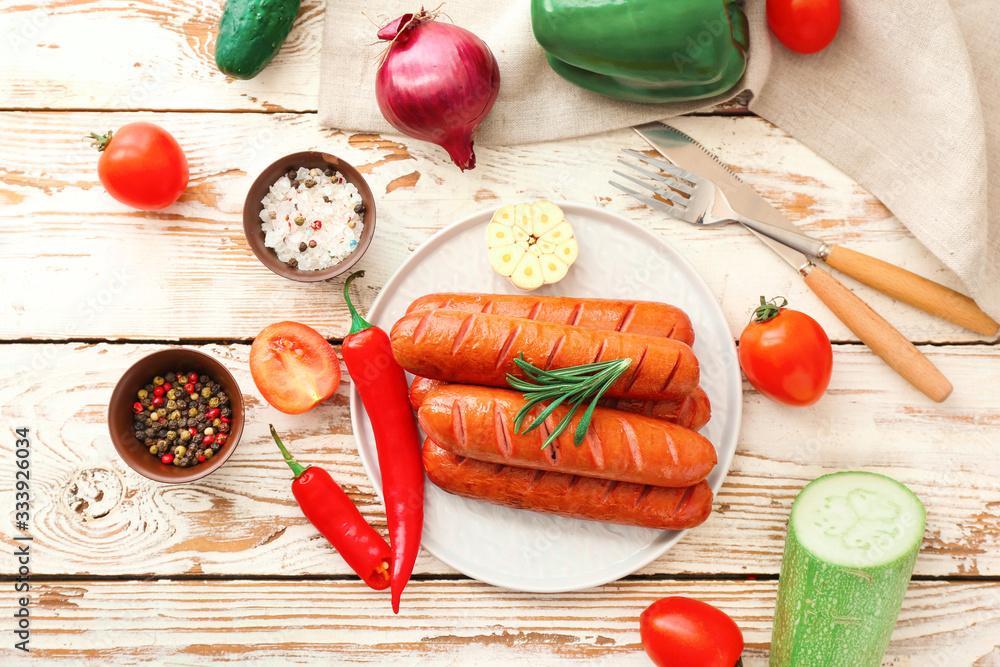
649	201
669	182
663	165
673	198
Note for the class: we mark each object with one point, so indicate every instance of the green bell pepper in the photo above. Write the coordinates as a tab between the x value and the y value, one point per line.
644	50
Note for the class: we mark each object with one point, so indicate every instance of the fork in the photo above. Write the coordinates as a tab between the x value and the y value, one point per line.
695	199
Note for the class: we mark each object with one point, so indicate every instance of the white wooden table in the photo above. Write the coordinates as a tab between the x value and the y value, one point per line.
128	571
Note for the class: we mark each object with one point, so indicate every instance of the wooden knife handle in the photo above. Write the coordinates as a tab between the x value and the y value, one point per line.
881	337
915	290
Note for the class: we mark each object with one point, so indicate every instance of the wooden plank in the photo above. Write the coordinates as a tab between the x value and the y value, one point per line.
161	57
78	265
93	515
447	623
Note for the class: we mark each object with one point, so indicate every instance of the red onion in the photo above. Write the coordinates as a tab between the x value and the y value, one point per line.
436	83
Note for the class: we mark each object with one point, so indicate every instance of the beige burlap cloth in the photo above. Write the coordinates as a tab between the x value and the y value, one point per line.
906	101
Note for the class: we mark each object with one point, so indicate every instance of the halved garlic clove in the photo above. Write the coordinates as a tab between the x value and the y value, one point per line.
527	274
499	235
553	269
545	215
505	258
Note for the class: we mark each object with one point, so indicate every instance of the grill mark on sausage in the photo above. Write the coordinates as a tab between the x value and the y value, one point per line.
600	350
673	328
643	493
535	479
422	326
552	355
458	423
552	451
498	468
685	412
684	501
633	442
574	317
596	448
511	337
638	368
503	434
609	486
670	375
672	448
572	482
533	313
463	333
626	319
488	306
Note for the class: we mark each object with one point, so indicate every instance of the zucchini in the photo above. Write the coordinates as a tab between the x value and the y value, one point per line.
251	33
852	541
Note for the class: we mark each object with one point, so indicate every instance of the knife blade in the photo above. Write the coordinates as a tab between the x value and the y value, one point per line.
870	327
894	281
688	154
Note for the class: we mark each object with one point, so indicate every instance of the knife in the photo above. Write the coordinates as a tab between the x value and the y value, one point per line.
870	327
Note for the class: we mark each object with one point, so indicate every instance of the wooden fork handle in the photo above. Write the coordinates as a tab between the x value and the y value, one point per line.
881	337
915	290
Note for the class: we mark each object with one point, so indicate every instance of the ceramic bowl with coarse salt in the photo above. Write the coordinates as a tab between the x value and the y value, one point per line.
309	216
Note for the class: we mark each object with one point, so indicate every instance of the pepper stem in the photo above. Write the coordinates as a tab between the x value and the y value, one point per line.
296	467
100	141
358	323
768	310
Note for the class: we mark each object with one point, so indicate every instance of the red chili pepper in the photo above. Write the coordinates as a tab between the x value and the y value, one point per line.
331	511
381	382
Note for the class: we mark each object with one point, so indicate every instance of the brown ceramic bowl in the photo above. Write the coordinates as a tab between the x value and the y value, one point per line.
120	419
260	187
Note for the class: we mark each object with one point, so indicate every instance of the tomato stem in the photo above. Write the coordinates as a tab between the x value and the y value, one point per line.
768	310
739	662
100	141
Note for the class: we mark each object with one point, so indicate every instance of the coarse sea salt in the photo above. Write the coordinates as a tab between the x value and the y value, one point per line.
329	218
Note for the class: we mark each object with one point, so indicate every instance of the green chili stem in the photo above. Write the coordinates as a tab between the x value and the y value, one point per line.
297	468
358	323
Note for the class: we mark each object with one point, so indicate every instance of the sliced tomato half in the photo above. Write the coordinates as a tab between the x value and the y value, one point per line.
294	367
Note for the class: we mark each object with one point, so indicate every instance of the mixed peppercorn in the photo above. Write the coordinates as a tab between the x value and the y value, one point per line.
182	418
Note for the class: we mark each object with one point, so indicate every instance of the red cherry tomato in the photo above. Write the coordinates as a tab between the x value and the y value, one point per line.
804	26
294	367
142	166
681	632
786	355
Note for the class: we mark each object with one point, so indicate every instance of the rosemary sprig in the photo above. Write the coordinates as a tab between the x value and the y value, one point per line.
572	386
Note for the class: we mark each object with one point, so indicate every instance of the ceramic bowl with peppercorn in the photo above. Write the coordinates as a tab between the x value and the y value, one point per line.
176	415
309	216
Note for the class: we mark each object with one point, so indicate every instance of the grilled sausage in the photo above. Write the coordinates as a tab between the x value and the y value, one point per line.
477	348
643	318
570	496
692	411
478	422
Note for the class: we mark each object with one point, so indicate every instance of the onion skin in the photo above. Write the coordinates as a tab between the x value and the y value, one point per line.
436	83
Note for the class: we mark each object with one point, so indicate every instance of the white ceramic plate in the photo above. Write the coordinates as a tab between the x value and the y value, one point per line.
524	550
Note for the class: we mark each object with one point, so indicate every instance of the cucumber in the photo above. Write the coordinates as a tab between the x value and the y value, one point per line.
251	33
852	541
